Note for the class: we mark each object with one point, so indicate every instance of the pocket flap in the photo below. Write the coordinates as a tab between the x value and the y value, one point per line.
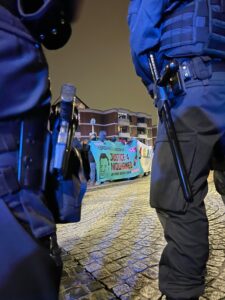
166	191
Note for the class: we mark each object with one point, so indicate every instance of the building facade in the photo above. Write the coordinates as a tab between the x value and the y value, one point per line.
118	123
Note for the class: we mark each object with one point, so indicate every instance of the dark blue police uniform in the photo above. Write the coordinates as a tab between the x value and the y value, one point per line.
27	271
193	33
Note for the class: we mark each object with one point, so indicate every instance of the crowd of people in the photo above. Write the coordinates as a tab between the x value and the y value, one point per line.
88	159
87	156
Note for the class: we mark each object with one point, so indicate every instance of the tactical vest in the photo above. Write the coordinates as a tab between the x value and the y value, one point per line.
24	111
194	28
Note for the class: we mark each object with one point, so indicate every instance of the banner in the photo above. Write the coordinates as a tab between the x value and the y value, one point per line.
145	155
116	160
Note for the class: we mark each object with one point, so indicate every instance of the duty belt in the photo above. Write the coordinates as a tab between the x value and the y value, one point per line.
201	68
181	73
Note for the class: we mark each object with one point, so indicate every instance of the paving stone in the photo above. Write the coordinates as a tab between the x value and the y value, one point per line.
151	273
102	295
75	293
118	244
149	292
138	267
133	296
212	271
125	273
78	269
94	286
96	254
121	289
111	281
219	285
76	251
93	267
138	281
113	267
116	255
101	274
69	282
151	261
139	256
87	261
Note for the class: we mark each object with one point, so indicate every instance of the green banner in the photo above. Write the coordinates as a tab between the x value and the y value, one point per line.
116	160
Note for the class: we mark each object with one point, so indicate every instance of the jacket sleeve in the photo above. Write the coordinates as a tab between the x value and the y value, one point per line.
144	18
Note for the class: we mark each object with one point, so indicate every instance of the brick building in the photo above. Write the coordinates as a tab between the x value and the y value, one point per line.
120	123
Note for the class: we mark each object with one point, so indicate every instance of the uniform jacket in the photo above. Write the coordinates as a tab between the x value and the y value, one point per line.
23	69
144	18
24	90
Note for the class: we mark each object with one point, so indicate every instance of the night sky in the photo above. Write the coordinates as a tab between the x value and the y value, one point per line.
97	60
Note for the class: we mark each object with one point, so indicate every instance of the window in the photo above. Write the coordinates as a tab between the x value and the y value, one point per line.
141	130
123	129
122	116
141	120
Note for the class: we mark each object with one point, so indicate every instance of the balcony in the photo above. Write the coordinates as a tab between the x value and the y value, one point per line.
142	136
124	135
124	122
142	125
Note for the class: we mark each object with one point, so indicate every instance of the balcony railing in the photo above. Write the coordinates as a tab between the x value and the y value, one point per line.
142	125
124	134
142	136
124	122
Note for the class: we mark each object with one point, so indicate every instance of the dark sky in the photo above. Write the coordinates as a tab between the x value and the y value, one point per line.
97	60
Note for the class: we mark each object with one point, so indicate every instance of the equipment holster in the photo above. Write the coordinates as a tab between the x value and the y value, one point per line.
65	188
33	153
65	194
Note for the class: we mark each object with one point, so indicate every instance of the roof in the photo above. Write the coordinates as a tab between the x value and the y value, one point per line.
81	102
118	110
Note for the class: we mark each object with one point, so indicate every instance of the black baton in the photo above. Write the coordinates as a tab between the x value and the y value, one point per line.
165	114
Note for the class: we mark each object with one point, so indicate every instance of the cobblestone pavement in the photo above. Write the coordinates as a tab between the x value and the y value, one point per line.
113	253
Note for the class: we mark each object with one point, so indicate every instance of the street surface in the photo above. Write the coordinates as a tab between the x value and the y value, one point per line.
113	253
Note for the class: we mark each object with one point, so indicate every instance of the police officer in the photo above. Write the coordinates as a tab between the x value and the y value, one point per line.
29	255
191	31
